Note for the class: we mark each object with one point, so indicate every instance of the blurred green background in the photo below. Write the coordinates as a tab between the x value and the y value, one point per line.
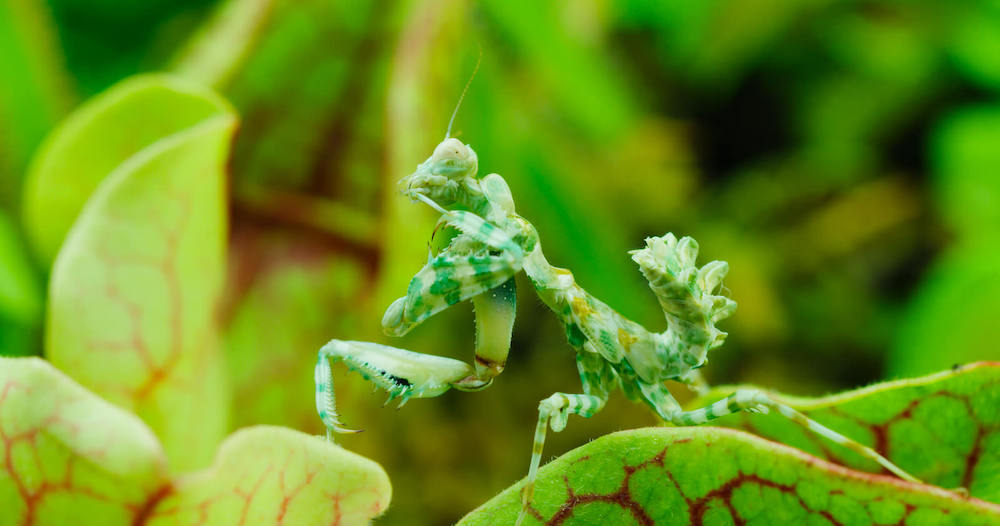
843	156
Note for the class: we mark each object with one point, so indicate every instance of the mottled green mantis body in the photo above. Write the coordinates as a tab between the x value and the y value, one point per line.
492	245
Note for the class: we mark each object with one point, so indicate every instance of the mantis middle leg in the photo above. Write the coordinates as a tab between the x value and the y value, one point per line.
598	378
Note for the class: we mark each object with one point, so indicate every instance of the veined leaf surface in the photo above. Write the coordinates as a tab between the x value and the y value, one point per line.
713	476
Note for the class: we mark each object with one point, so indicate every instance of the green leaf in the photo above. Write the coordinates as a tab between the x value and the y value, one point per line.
951	316
562	58
271	475
944	428
223	43
298	98
70	457
20	294
965	157
975	42
96	139
36	89
712	476
135	289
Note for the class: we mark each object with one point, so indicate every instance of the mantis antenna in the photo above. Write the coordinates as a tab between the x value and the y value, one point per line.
462	96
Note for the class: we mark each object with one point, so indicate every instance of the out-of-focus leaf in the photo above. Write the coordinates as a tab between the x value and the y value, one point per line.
35	91
307	67
975	42
564	65
105	41
20	293
965	158
213	55
70	457
136	286
713	43
271	475
944	428
290	311
711	476
96	139
951	318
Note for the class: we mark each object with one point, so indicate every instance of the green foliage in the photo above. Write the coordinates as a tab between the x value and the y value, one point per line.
950	319
271	475
944	429
965	161
133	315
837	154
20	293
97	139
286	310
35	92
715	477
71	457
136	285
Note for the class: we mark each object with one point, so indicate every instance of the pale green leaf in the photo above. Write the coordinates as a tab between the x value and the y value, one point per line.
271	475
69	457
97	138
135	289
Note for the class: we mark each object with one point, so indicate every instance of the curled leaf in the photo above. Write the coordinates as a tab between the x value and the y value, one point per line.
135	289
272	475
98	137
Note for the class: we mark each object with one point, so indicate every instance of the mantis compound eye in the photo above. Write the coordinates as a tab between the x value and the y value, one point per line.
451	149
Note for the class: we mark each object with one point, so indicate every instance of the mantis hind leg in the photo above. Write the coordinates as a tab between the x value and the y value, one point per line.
757	401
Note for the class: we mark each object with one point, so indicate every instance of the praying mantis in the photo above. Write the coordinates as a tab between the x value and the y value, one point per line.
493	243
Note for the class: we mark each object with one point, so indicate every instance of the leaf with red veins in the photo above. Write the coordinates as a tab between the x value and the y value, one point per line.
69	457
713	476
266	476
944	428
135	289
96	139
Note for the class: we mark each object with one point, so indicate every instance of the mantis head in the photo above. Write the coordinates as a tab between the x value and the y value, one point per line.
445	176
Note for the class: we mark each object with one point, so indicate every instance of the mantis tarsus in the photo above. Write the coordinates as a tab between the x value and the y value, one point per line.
492	245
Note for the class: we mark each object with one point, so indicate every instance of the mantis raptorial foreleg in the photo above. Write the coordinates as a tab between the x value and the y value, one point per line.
404	374
453	277
444	281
